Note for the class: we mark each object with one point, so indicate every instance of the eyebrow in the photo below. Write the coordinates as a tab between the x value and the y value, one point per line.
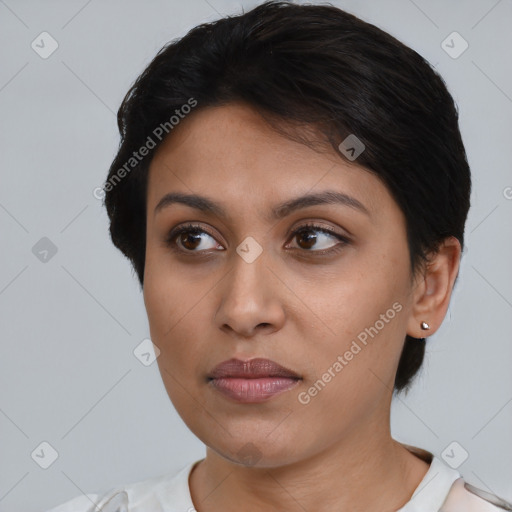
280	211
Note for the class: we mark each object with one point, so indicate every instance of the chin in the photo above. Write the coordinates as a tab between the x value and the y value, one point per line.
257	450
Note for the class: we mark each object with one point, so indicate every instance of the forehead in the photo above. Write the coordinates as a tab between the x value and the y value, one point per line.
231	153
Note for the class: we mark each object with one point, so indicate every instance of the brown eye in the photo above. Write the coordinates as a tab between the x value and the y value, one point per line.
313	238
191	238
305	239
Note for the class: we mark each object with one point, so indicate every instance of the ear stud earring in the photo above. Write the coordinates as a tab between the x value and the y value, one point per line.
425	326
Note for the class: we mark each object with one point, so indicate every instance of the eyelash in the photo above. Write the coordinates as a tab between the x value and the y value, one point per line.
195	229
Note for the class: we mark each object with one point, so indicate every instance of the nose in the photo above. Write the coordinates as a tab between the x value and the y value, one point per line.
249	302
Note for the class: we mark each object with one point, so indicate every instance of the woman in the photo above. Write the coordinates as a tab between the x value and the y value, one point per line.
291	188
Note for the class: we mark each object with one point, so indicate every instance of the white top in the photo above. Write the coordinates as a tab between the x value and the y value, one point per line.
441	490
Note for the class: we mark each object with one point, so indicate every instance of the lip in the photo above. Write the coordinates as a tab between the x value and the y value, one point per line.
253	381
251	369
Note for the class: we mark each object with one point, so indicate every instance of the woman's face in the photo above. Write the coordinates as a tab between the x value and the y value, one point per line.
333	310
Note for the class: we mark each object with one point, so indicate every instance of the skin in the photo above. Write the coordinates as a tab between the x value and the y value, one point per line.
290	305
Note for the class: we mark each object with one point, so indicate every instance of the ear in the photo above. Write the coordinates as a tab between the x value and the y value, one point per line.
433	289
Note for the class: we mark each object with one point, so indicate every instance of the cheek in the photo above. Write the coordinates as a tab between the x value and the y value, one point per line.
353	369
353	296
360	315
159	304
178	314
174	330
166	291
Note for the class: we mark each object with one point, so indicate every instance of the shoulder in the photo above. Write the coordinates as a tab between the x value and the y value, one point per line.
464	497
156	494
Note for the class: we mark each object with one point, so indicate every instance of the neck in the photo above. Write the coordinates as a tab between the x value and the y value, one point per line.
362	471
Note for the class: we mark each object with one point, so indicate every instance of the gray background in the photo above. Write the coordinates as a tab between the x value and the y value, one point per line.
69	325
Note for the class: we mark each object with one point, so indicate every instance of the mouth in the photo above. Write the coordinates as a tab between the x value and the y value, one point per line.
253	381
